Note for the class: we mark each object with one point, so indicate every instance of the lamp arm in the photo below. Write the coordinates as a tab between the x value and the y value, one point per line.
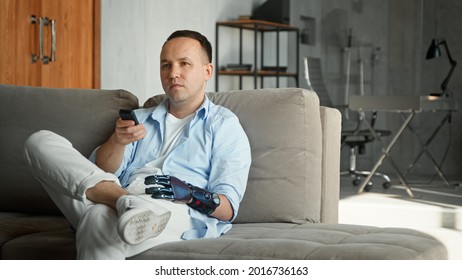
452	61
445	83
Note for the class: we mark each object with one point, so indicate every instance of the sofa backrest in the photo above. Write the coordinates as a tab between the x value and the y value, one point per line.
285	134
85	117
284	127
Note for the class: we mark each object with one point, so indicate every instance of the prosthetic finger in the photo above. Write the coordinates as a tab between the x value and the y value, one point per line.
161	192
169	185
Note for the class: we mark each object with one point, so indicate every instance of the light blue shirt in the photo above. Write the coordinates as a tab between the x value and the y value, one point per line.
214	154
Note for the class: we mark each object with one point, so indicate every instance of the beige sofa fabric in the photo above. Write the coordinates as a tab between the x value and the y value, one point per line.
331	126
305	241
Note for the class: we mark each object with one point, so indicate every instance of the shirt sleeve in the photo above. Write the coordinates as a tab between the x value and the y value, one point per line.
231	159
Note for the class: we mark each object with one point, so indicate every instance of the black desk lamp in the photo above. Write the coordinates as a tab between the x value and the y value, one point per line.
434	51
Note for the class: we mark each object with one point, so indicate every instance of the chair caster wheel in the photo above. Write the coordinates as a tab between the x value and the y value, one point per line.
368	187
386	185
356	182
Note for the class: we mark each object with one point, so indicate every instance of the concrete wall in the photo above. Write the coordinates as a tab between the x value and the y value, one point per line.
354	46
442	19
391	38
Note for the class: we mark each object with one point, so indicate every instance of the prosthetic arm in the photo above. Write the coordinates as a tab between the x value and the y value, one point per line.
172	188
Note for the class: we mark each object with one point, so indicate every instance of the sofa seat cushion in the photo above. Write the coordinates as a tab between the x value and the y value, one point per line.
305	241
25	236
42	237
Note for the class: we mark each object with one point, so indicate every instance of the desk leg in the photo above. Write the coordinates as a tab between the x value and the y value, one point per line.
425	149
385	153
401	177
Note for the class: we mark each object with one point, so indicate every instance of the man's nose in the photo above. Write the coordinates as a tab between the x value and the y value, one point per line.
174	71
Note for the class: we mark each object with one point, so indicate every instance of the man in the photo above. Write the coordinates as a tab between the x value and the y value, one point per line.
189	154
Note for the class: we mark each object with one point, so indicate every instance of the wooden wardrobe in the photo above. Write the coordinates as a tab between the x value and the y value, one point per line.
50	43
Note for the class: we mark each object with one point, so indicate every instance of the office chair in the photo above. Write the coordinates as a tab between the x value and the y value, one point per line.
357	138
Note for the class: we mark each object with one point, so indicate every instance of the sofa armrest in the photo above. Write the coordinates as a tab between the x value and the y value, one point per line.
331	122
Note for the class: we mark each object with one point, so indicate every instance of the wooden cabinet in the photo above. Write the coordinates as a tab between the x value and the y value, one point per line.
258	27
50	43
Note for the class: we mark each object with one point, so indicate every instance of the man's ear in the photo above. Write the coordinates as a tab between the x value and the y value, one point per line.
208	71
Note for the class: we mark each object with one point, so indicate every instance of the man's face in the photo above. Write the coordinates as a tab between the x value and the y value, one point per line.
184	70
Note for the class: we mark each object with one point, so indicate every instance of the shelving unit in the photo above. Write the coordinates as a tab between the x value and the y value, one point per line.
258	71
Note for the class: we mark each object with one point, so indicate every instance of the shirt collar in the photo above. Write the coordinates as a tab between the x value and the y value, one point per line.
203	110
161	110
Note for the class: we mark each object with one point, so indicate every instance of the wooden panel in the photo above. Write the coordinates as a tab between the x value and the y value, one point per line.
97	44
19	39
77	43
74	43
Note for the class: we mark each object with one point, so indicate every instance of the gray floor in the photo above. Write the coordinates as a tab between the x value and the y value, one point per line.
432	191
435	208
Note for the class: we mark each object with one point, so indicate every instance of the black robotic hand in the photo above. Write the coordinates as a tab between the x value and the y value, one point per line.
172	188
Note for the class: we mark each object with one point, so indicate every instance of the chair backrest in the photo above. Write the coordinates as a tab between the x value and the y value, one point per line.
314	78
351	123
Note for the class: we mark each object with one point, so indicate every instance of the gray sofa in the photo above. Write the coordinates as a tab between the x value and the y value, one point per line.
290	209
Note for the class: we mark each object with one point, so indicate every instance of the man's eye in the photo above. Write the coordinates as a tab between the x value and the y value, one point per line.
165	66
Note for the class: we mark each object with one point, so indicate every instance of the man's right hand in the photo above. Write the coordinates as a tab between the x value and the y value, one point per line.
110	154
127	132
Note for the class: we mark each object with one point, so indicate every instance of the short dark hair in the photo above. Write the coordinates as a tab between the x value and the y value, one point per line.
205	44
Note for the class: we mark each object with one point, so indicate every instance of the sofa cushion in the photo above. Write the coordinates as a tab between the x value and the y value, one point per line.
251	241
85	117
306	241
284	130
26	236
45	245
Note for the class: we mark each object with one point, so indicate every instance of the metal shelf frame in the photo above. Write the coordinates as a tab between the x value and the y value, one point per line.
257	26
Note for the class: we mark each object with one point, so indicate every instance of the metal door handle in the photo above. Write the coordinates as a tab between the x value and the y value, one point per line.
53	40
34	56
45	21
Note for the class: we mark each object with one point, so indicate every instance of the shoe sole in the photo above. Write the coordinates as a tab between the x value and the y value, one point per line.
138	225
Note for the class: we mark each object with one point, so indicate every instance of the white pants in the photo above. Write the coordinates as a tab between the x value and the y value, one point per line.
66	175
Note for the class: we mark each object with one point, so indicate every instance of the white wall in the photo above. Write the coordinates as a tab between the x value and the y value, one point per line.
132	34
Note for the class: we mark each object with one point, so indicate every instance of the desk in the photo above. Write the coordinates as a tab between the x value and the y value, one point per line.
408	106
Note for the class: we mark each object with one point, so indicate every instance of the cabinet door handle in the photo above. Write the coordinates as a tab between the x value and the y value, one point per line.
53	40
45	21
34	56
42	23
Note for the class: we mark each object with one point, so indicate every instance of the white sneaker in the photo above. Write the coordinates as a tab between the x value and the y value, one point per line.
139	220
